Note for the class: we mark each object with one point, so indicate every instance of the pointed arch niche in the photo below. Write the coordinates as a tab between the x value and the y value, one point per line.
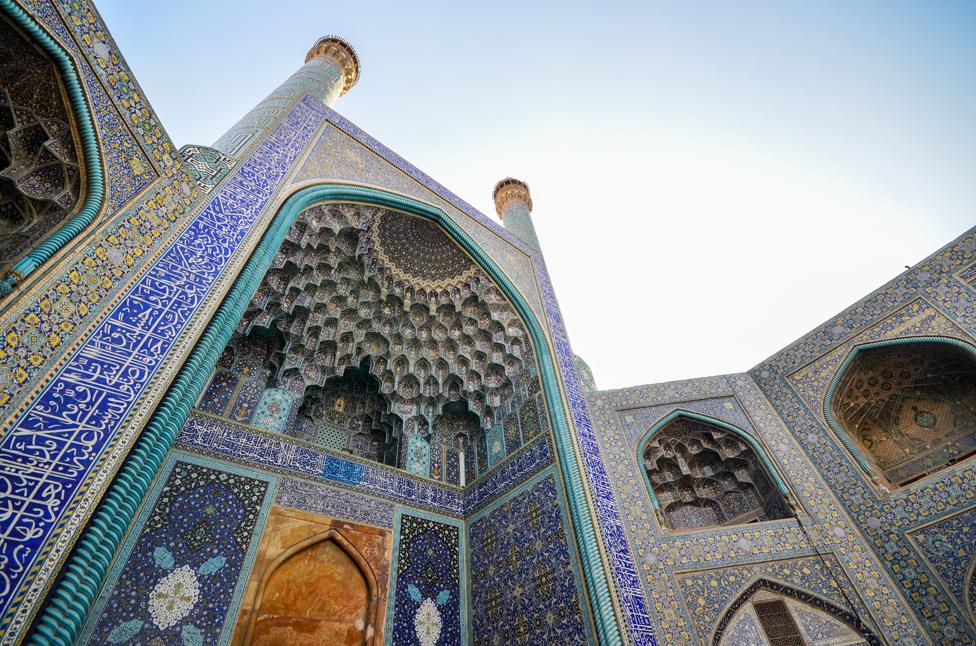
906	408
86	569
319	591
374	334
51	179
702	472
769	613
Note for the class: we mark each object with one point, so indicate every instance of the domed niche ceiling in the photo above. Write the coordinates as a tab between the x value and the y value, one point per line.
374	334
40	177
706	476
911	407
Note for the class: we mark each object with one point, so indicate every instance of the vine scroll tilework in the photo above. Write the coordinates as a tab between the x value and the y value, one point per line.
71	431
949	546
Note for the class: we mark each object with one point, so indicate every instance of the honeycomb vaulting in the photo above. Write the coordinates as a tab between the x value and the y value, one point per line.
359	288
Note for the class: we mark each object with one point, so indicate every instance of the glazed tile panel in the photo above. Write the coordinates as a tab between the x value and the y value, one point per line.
515	470
794	380
715	590
523	587
177	576
427	583
37	330
280	454
949	546
59	441
624	417
223	439
625	577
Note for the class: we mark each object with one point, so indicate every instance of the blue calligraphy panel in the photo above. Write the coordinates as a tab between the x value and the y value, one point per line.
58	444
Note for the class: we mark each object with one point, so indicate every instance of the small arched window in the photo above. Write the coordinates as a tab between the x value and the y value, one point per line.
768	613
910	407
703	475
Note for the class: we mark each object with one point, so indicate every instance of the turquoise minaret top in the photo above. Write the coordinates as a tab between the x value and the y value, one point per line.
514	206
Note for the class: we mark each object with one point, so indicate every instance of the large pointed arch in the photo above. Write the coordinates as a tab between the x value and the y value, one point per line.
758	448
72	599
93	180
859	454
851	619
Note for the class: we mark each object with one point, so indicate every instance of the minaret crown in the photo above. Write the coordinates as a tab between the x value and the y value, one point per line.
342	54
510	190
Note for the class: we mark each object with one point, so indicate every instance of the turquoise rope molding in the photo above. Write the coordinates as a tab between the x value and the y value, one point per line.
73	596
94	184
705	419
835	426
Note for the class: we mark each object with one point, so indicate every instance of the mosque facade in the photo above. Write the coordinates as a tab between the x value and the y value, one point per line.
288	389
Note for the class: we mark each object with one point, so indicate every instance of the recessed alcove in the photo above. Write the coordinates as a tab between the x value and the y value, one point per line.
40	170
910	408
703	475
374	335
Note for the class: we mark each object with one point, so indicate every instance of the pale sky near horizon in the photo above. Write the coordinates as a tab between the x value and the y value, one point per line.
711	180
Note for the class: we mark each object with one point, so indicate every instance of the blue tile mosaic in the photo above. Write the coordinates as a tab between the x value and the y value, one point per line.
427	588
950	548
186	559
523	587
72	426
627	582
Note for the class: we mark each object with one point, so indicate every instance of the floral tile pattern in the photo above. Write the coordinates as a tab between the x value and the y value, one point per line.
427	598
177	581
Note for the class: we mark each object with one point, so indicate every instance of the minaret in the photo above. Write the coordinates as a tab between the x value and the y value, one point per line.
335	53
514	206
331	69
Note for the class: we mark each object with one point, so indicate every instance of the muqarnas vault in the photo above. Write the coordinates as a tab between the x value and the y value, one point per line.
287	389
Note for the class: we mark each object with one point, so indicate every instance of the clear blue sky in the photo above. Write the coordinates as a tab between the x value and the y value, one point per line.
711	180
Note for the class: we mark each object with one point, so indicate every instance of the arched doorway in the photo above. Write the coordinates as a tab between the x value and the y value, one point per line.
319	591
